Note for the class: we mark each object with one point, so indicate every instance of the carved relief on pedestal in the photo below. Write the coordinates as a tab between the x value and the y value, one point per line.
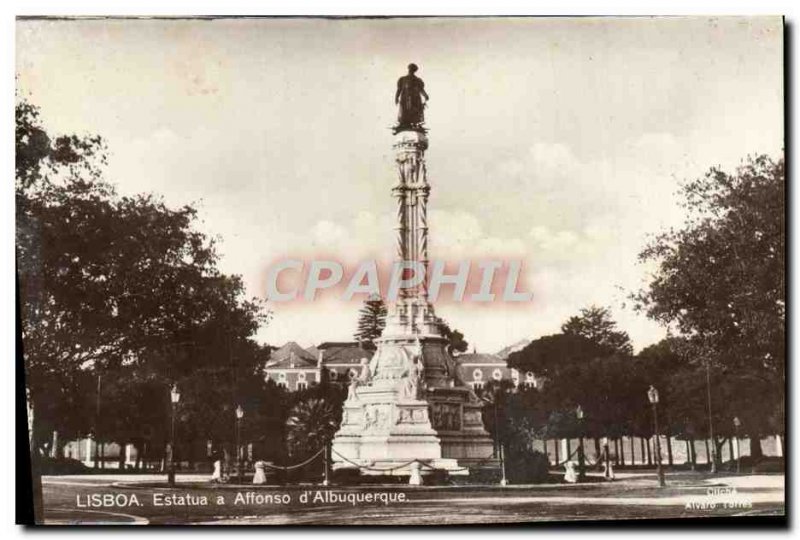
412	415
377	417
352	417
472	418
446	416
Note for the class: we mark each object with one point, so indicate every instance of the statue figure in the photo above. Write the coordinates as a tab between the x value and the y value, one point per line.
410	91
414	375
366	373
362	378
373	362
370	418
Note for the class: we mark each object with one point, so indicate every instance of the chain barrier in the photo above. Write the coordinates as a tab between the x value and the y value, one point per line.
566	459
598	459
460	469
373	468
297	466
422	463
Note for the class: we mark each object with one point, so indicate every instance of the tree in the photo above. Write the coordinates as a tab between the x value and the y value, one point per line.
587	365
595	323
456	342
311	424
371	322
123	289
719	282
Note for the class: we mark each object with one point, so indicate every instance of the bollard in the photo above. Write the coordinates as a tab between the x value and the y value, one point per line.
416	478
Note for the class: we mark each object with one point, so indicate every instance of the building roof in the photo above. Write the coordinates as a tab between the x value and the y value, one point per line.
291	355
505	352
343	353
481	359
337	344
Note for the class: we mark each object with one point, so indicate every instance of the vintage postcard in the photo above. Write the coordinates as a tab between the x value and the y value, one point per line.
401	270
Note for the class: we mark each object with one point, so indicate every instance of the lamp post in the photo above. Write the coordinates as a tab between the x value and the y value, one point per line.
498	442
736	425
503	479
174	397
581	456
652	395
239	416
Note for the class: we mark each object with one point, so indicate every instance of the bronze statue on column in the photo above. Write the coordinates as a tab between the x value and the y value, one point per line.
410	91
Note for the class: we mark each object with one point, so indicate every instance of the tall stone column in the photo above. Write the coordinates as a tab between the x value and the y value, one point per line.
409	403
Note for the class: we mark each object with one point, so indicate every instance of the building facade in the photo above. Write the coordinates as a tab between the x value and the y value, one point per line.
294	368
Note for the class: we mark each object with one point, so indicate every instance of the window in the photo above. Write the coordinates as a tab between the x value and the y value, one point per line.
282	379
301	385
353	374
530	380
477	374
497	374
477	385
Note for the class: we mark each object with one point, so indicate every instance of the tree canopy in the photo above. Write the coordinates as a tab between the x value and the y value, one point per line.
123	289
720	282
371	322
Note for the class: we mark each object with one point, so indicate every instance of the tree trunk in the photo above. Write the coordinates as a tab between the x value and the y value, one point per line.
718	444
622	451
669	449
597	451
122	455
755	448
730	449
633	454
558	458
649	453
644	452
708	452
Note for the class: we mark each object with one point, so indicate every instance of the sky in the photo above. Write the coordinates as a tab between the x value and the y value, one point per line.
557	142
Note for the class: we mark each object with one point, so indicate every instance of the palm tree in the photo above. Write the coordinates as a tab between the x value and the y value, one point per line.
311	424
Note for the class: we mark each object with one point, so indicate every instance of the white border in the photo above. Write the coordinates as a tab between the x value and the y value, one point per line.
13	8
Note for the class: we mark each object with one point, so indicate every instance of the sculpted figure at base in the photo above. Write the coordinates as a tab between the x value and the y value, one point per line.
414	376
362	378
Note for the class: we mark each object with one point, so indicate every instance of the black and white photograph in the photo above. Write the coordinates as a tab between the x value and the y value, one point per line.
401	270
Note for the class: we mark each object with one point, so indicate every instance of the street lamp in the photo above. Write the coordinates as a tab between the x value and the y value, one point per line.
652	395
174	397
497	439
581	455
736	425
239	416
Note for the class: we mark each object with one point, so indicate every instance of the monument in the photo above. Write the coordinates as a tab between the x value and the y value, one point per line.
407	412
